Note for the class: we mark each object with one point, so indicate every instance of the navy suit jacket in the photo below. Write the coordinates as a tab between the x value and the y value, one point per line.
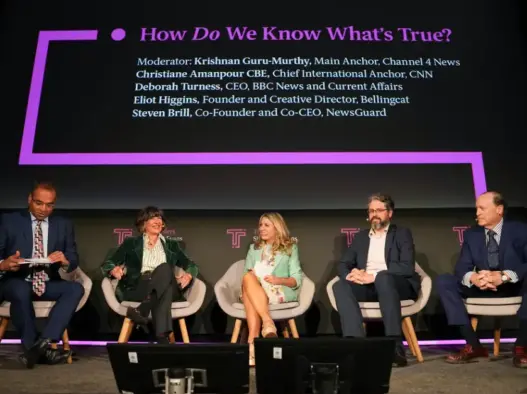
399	253
16	234
513	250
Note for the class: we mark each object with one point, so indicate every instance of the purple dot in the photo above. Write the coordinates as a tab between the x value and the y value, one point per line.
118	34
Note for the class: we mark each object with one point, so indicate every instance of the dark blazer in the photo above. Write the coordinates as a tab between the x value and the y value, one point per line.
513	250
130	254
16	234
399	253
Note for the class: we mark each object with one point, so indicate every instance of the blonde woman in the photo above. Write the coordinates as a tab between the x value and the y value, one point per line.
272	276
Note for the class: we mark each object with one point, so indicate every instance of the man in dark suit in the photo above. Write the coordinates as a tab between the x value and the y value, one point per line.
379	266
492	263
36	234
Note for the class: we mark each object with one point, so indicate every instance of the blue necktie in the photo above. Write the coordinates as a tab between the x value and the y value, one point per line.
493	251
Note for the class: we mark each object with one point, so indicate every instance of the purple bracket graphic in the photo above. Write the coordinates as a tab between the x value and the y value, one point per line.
27	157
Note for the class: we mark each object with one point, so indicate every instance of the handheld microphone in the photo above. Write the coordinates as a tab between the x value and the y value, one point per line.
175	381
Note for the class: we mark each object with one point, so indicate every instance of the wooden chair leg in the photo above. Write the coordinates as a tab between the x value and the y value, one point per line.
3	326
126	330
172	337
408	339
364	327
184	332
285	331
474	323
66	344
292	327
497	336
236	330
413	338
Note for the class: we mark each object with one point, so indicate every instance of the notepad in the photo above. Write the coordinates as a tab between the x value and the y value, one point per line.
36	261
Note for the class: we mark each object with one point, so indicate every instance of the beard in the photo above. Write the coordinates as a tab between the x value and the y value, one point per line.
378	224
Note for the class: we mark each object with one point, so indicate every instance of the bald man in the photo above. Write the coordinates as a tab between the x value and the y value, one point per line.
492	263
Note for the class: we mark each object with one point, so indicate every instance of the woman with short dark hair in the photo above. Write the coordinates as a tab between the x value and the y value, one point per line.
145	266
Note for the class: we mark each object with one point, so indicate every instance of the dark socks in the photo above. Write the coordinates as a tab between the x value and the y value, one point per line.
470	336
522	334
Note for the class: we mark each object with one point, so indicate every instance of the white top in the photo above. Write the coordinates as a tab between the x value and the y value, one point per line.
153	257
376	261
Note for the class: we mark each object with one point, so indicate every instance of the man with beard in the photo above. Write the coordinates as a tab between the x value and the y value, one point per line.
379	266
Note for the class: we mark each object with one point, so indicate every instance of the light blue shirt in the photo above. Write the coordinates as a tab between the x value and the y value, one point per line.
45	230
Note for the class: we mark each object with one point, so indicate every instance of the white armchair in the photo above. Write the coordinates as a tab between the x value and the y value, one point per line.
227	291
372	310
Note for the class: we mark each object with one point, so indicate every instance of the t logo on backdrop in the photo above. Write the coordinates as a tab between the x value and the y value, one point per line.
123	233
350	233
236	236
460	230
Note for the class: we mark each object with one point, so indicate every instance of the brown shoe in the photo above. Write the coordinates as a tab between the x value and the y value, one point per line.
520	357
467	354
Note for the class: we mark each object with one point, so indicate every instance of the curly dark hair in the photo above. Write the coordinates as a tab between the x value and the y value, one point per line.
146	214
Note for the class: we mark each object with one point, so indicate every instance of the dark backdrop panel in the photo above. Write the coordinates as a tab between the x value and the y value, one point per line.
210	239
87	100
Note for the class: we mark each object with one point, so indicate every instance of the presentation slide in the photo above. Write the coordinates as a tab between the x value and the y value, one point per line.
313	108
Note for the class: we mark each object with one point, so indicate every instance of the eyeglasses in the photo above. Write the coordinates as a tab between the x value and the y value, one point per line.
372	211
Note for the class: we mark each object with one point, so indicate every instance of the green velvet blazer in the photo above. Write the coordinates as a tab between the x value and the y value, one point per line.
130	254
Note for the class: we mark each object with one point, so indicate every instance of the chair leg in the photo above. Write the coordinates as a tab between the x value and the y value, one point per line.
413	338
364	327
126	330
497	336
292	327
171	337
285	331
474	322
236	330
408	339
184	332
3	326
66	344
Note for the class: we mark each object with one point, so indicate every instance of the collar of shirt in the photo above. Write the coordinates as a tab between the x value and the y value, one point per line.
382	232
145	238
34	219
497	228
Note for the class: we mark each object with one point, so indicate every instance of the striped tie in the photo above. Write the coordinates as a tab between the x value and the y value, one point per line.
39	276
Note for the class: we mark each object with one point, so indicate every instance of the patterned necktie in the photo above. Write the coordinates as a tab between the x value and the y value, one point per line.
39	276
493	251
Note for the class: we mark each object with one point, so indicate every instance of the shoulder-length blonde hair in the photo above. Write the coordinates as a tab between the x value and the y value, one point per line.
283	241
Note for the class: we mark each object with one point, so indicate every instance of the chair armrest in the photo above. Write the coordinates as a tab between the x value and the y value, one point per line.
108	290
225	295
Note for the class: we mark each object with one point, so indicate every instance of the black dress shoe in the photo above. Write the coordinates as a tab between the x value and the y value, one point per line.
33	354
56	356
399	358
163	340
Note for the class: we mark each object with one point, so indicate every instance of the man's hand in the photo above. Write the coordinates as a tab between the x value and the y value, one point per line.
11	263
117	272
360	277
484	280
184	279
58	257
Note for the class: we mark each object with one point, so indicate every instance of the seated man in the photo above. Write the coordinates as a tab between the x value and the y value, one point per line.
492	263
34	234
379	266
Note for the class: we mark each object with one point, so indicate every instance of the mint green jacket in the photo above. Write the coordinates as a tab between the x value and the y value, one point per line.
286	267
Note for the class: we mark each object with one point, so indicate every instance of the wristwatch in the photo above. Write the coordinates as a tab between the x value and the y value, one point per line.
504	278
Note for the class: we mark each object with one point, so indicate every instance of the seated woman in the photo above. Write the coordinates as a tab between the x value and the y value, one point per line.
145	267
272	276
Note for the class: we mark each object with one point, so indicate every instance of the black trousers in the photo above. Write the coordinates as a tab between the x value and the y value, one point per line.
162	288
388	290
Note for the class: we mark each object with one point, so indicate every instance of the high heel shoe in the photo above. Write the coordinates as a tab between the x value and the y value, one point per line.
269	330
